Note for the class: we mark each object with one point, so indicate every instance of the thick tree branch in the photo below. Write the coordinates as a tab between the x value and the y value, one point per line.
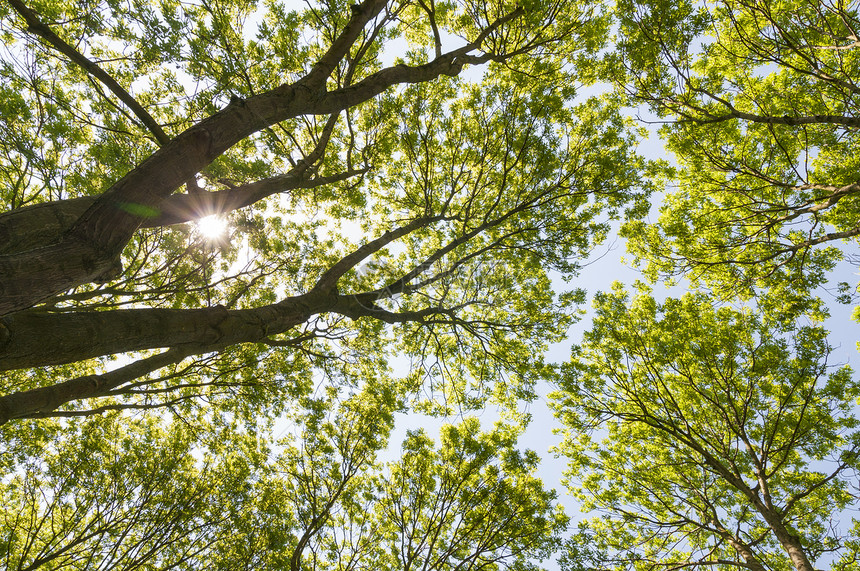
777	120
741	548
36	339
204	331
30	339
361	15
180	208
355	307
450	64
44	400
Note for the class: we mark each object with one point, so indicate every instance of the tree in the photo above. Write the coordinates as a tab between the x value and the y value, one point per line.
107	493
360	194
472	503
709	436
173	495
761	104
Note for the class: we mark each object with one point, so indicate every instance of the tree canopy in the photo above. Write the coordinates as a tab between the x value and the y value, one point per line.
710	436
240	238
760	100
396	183
711	430
230	497
358	194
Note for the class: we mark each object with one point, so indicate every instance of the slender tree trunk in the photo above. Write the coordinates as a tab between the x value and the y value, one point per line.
741	548
790	543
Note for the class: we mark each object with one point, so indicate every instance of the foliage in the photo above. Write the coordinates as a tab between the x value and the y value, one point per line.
107	494
709	436
760	103
701	433
399	209
171	495
406	186
402	183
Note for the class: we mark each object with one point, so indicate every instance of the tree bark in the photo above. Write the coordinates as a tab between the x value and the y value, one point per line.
33	339
42	400
36	339
741	548
790	543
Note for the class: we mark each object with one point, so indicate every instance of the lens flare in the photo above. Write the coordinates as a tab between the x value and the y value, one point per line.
212	227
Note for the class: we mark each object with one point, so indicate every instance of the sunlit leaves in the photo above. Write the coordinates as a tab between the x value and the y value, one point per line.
512	178
117	493
762	103
692	426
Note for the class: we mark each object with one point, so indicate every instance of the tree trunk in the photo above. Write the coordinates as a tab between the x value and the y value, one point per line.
90	247
741	548
790	543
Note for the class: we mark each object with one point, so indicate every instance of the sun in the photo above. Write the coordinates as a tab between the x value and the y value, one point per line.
212	227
